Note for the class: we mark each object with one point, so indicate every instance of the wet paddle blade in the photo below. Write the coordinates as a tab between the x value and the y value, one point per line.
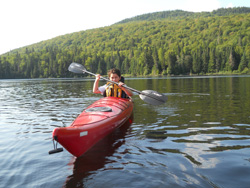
153	97
76	68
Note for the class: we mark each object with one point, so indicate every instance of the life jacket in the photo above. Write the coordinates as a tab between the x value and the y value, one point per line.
113	90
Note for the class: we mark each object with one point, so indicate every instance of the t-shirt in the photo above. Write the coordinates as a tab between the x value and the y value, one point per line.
102	88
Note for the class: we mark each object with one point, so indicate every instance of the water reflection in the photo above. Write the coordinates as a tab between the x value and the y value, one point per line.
97	158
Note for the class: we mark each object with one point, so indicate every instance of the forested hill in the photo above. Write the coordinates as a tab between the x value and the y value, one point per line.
198	44
180	14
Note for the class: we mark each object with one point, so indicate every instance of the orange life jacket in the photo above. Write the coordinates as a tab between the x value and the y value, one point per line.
113	90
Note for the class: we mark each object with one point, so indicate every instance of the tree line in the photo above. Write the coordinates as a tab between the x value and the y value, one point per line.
190	45
180	14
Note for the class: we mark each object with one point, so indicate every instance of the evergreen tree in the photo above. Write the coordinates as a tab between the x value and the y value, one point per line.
171	60
196	64
212	61
243	63
205	60
232	61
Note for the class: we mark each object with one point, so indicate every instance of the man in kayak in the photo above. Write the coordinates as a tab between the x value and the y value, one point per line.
111	89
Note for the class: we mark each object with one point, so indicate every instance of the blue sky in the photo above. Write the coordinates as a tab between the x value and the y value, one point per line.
25	22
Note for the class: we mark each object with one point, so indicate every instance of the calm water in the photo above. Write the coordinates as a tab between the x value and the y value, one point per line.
199	138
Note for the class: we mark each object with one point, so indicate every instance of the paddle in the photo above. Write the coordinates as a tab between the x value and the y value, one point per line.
149	96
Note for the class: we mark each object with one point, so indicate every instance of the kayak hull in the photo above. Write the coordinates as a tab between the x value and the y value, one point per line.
93	124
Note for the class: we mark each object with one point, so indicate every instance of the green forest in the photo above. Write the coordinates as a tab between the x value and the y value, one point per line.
161	43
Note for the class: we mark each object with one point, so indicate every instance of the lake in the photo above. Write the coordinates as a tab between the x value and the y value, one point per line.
199	138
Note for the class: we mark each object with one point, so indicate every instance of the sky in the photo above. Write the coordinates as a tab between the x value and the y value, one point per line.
25	22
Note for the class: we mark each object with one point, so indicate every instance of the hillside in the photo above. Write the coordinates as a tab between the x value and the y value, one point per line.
197	43
180	14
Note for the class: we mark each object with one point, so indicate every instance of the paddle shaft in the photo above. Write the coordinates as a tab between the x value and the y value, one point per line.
132	89
144	95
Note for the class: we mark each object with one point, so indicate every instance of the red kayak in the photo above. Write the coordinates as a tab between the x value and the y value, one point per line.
93	124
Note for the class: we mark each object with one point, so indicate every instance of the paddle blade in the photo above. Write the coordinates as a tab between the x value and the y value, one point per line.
76	68
153	97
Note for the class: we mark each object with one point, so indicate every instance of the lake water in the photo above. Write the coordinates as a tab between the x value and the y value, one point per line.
199	138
